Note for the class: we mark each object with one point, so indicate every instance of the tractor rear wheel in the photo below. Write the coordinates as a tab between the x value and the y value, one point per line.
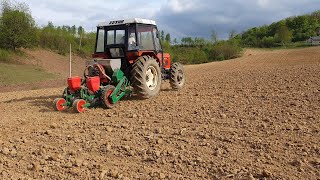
146	77
177	76
59	104
108	90
78	106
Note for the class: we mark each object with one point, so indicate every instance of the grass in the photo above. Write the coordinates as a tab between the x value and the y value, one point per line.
296	45
5	56
22	74
9	56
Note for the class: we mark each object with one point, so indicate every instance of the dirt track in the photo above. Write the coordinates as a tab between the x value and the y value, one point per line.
253	117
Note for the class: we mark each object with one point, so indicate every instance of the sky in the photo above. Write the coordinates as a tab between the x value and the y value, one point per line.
180	18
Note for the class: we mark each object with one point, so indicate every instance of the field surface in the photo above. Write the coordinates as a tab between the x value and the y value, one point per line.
249	118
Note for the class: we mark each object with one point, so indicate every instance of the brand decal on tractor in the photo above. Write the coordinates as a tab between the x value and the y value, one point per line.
116	22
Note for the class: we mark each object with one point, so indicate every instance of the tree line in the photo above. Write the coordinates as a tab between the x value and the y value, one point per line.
196	50
19	30
290	30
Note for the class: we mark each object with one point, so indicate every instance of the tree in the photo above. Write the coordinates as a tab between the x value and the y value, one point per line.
283	35
214	36
168	38
50	25
80	30
318	31
189	41
175	41
73	30
199	41
162	36
80	33
17	27
232	34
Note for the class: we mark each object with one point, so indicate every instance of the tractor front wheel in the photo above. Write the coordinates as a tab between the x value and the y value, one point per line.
79	105
106	96
59	104
146	77
177	76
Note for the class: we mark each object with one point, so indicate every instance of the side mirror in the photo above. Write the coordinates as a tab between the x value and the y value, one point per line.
158	35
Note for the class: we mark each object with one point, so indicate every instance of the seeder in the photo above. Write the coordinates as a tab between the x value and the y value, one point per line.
96	88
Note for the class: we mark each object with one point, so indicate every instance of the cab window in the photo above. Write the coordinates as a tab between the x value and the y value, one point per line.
156	40
115	37
145	37
100	40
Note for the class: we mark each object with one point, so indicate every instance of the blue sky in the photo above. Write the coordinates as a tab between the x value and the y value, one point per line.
181	18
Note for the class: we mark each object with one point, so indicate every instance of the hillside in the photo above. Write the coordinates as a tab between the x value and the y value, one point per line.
38	68
292	29
255	117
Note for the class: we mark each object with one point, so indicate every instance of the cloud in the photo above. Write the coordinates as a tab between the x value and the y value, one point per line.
224	16
181	18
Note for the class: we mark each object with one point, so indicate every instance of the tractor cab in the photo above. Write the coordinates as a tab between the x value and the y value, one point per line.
126	40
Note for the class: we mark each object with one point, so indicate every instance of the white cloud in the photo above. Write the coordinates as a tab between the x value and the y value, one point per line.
178	6
263	3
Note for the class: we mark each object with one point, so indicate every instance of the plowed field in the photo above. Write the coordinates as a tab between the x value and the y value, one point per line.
253	117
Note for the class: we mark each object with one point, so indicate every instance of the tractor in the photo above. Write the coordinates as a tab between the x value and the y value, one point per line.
128	59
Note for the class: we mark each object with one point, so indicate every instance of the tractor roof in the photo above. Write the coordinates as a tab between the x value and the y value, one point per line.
127	21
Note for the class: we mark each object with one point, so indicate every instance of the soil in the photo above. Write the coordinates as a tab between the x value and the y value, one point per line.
256	117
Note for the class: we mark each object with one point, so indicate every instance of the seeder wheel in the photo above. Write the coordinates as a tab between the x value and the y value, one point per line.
106	97
59	103
78	106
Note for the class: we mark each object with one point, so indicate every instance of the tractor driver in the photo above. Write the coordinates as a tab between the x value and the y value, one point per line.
132	41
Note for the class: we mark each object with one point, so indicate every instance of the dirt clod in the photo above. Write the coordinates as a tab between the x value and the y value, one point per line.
5	151
109	129
114	173
223	116
266	173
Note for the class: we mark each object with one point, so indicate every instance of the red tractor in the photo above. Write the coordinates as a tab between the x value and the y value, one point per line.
128	53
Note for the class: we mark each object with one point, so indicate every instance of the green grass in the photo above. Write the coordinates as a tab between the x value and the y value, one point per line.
297	45
4	56
22	74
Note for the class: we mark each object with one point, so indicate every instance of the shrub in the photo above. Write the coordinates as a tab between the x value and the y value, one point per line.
267	42
224	50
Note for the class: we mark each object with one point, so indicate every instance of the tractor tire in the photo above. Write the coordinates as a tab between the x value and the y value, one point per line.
107	91
77	106
177	76
146	77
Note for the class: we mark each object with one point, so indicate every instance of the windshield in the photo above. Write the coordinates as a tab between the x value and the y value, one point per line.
115	37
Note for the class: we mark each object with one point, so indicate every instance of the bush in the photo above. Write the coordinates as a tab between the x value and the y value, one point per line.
267	42
224	50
